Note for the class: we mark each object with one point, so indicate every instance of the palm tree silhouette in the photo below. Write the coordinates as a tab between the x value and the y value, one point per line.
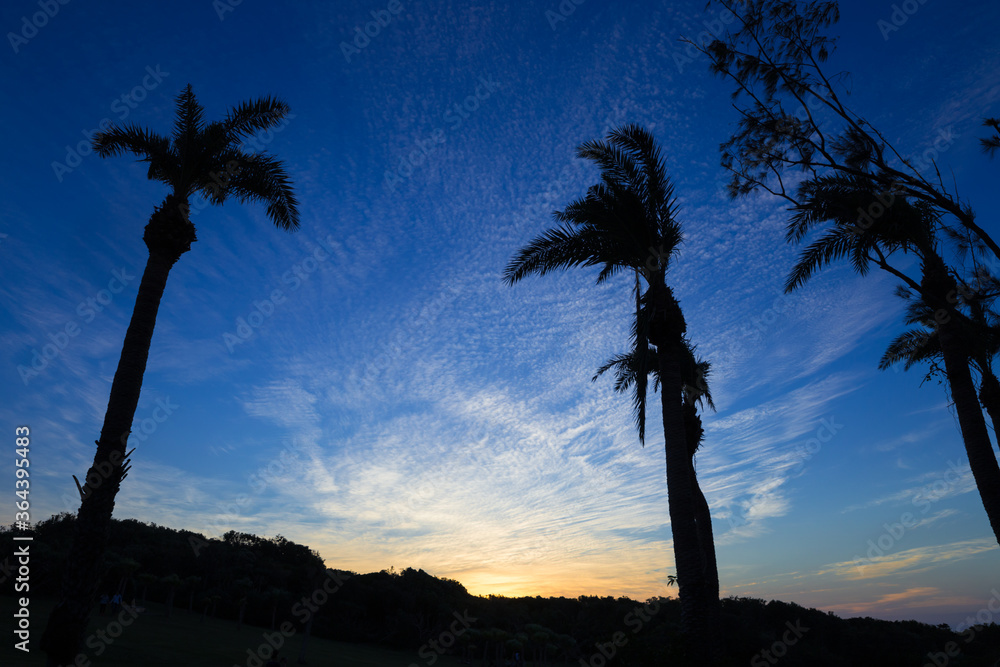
628	222
905	227
981	328
696	394
198	157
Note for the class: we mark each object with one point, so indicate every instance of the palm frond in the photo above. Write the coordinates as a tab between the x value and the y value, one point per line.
835	244
188	123
555	249
261	178
120	139
616	164
992	143
253	116
911	347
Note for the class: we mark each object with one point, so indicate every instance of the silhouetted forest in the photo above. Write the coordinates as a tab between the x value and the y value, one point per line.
266	581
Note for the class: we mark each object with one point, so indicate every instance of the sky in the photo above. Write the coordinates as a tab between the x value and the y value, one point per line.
369	386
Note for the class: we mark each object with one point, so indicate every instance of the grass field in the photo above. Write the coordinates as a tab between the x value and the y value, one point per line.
184	640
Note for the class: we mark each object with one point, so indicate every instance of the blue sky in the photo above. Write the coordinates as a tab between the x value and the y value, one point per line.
392	402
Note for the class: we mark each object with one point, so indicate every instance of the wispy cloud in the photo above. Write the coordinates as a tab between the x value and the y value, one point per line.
910	561
953	479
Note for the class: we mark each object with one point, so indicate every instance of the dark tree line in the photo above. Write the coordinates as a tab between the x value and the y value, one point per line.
409	610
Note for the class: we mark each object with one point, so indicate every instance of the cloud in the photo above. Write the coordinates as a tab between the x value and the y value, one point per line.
954	479
909	562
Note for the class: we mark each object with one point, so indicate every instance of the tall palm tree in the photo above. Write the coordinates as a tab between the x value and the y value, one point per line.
696	394
628	222
903	227
198	157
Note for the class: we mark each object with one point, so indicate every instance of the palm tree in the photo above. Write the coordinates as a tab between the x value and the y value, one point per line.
903	227
243	587
694	373
191	583
172	581
198	157
628	222
146	579
981	328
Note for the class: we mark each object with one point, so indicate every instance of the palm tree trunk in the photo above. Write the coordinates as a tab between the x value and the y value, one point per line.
706	537
305	640
699	612
63	635
978	446
956	352
170	602
989	396
702	513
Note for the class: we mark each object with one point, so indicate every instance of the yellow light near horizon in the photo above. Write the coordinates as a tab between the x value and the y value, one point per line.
567	582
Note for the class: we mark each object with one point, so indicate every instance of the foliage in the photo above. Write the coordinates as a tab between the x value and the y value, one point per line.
405	610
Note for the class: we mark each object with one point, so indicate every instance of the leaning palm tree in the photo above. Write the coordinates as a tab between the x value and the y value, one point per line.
628	222
911	227
696	394
981	328
198	158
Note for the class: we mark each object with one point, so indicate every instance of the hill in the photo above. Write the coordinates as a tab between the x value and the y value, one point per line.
243	586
